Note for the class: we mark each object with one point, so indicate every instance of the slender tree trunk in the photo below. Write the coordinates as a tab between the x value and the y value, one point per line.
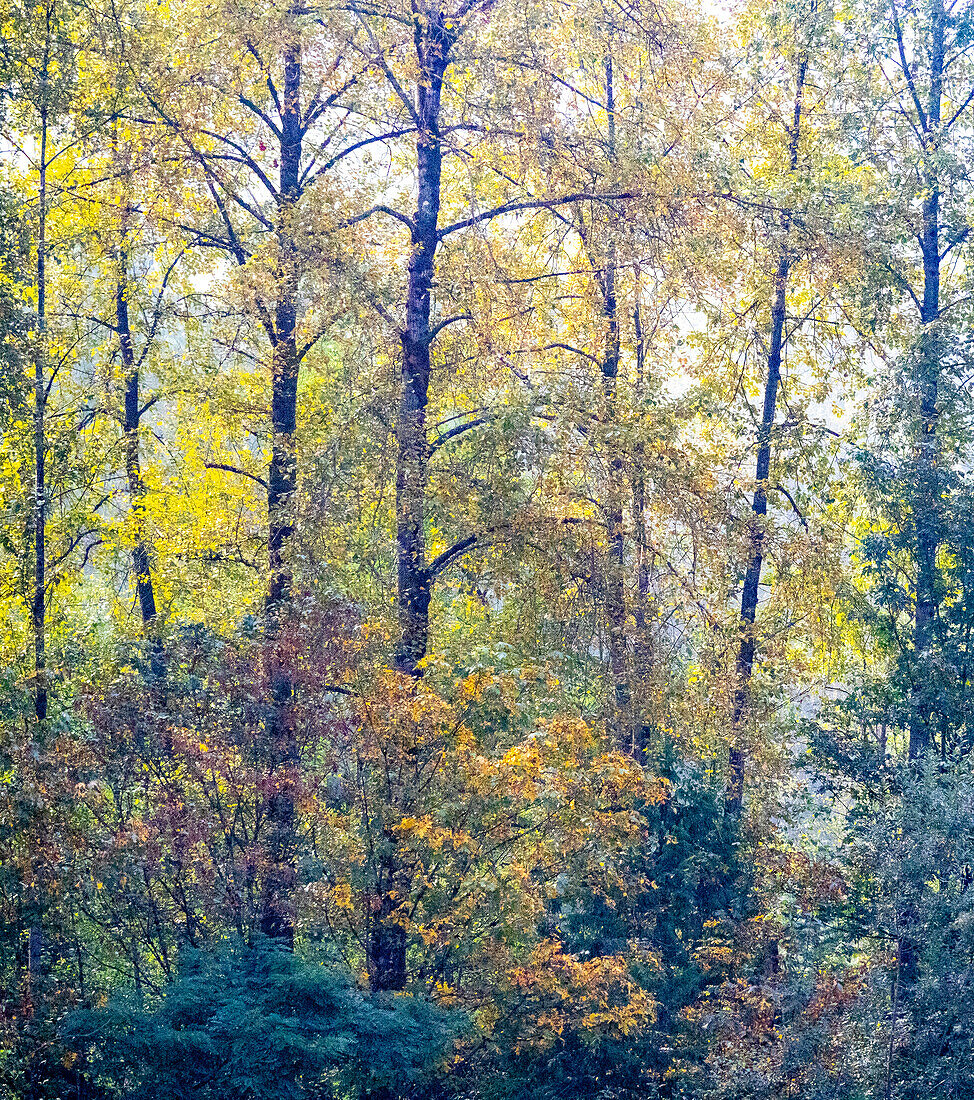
277	911
35	972
759	505
616	611
38	598
614	597
643	650
926	491
893	1019
759	509
925	487
283	472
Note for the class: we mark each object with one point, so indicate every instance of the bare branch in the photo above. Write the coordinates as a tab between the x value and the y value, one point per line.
794	507
407	221
157	308
380	60
348	150
266	119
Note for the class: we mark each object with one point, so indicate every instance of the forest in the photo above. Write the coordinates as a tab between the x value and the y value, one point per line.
486	550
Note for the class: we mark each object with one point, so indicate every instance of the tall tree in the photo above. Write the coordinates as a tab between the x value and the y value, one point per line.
922	58
257	176
913	561
783	244
927	494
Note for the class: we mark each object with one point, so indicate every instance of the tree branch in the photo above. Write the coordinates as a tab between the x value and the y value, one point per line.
576	351
437	329
235	470
157	309
360	145
781	489
459	429
439	563
905	67
407	221
533	204
380	60
266	119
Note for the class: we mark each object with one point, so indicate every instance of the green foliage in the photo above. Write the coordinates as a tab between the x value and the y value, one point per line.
911	854
255	1022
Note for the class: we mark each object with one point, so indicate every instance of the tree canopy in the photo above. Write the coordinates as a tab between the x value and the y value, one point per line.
486	550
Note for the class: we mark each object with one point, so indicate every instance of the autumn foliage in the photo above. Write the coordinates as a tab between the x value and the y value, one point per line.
486	578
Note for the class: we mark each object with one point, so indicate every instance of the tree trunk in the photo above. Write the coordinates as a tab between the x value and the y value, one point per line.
925	488
282	475
386	944
35	971
643	652
277	909
614	596
141	554
926	496
744	670
39	593
414	580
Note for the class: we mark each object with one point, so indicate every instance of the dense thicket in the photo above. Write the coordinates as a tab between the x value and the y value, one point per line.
486	538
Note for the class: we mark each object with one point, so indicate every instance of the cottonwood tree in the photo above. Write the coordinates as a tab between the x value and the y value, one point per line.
792	172
263	130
